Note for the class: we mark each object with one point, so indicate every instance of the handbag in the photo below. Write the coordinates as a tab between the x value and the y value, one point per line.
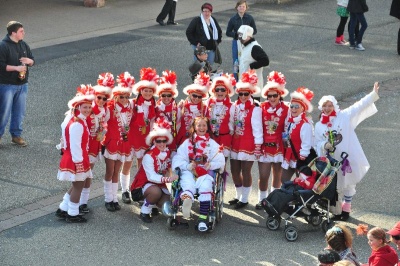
311	156
137	194
217	57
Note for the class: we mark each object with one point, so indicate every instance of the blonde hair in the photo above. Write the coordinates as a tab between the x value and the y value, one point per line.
344	263
379	234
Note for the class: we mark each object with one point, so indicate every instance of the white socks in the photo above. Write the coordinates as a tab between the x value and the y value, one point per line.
108	197
114	192
245	194
262	195
238	192
73	208
125	181
84	196
146	207
64	204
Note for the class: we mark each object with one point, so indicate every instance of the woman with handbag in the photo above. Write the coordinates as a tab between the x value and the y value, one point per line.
204	30
298	133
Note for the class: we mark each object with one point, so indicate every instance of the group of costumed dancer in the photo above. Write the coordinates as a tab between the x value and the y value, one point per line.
198	134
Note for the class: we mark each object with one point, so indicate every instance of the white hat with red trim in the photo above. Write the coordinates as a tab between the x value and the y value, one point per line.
105	83
303	96
167	84
84	94
200	85
275	81
161	128
225	80
148	79
125	82
248	82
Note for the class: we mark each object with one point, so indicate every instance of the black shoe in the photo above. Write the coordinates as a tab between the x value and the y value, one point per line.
162	23
116	206
233	202
240	205
145	218
154	212
126	197
61	214
84	208
172	23
344	216
110	206
259	206
75	219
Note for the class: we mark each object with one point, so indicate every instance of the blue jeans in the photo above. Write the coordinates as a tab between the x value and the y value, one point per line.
352	26
210	53
12	102
235	56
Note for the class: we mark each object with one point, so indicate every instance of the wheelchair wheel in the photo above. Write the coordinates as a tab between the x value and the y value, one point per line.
219	198
171	223
315	220
326	226
291	234
273	223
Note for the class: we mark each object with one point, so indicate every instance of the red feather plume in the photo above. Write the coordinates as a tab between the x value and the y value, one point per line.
149	74
202	79
306	92
85	90
169	77
278	77
106	79
161	122
126	80
250	77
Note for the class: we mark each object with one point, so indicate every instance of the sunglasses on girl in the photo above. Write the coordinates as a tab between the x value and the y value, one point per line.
166	95
102	98
161	141
272	95
396	237
197	96
295	106
244	93
220	90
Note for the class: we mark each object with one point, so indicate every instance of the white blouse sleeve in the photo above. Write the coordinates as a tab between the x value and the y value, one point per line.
148	166
256	124
181	158
306	135
75	139
362	109
218	162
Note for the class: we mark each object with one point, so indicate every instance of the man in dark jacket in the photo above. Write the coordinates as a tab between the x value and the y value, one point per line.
395	12
15	57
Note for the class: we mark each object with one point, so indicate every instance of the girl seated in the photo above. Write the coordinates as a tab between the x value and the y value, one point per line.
195	157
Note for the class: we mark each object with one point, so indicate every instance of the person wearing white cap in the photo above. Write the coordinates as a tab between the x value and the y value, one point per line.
247	137
274	112
74	163
252	55
335	133
192	106
117	145
155	170
219	108
298	134
166	106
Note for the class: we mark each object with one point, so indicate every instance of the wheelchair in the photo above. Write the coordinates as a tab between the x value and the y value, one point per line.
171	208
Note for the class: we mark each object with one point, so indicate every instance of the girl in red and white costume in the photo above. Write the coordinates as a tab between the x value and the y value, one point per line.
118	148
219	109
298	135
155	170
166	107
144	114
193	106
74	164
247	137
195	156
274	112
97	124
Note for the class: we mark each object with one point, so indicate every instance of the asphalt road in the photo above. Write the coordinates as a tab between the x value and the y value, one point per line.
298	38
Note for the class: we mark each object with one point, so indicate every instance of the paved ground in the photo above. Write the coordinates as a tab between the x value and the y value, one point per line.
73	44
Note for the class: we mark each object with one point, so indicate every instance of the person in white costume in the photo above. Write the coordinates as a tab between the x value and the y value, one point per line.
335	133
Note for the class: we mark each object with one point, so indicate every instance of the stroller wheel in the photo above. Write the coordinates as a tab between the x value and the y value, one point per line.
171	223
326	226
273	223
315	220
291	234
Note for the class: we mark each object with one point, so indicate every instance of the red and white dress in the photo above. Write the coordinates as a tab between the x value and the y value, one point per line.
248	131
187	111
144	115
300	131
97	124
74	163
155	165
273	120
170	113
221	123
117	143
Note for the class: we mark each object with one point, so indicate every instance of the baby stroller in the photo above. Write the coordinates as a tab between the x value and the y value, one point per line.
171	208
312	204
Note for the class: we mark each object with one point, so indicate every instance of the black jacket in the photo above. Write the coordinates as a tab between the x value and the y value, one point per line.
357	6
259	55
195	34
10	53
236	21
395	9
